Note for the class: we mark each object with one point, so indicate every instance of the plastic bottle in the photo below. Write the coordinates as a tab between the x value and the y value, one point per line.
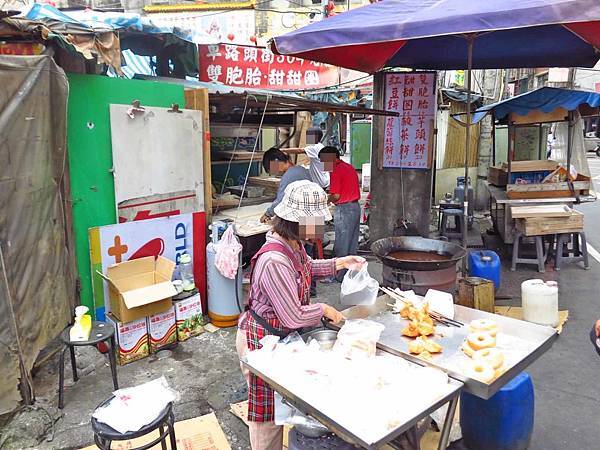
186	272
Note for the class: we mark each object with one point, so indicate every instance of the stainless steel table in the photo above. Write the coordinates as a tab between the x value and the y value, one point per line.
299	401
523	342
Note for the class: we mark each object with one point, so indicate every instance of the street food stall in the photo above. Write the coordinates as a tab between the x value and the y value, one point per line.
532	175
448	341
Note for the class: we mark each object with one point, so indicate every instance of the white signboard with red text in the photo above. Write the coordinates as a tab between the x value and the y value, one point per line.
408	138
258	67
169	237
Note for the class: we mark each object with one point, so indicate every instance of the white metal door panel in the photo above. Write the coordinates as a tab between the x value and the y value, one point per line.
157	156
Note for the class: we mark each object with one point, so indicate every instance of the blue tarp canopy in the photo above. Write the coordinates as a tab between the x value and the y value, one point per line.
431	34
545	99
96	20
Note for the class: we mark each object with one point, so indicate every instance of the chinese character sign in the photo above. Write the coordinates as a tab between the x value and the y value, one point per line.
258	67
407	138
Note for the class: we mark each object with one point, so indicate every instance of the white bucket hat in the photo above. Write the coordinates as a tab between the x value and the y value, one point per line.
303	199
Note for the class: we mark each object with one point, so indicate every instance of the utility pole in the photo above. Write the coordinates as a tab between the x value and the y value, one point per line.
484	160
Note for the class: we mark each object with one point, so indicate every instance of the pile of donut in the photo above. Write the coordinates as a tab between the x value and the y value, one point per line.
419	327
480	345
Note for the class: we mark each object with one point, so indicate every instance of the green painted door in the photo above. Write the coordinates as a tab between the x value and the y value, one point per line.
90	153
360	143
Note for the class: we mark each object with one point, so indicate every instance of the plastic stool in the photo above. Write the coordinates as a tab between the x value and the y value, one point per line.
456	232
540	258
575	254
504	422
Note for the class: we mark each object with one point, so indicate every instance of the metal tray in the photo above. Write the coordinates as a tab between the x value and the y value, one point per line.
524	342
296	400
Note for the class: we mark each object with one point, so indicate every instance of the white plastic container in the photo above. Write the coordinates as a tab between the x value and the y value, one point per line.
540	302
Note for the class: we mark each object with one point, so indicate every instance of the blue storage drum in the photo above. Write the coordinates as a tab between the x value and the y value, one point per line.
485	264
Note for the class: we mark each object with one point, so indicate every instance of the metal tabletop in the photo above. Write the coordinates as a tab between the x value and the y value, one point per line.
521	342
299	401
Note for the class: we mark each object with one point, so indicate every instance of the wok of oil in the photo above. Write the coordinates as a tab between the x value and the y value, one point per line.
410	255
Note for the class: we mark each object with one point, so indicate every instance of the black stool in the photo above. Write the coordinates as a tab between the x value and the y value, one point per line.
575	254
101	332
541	255
456	232
164	423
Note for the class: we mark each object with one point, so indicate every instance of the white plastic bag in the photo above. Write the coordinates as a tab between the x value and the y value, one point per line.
227	258
358	288
358	338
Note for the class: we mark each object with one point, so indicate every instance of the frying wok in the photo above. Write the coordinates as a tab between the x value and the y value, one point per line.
383	247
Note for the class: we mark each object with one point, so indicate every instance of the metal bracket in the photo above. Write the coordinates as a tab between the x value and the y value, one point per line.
175	109
135	108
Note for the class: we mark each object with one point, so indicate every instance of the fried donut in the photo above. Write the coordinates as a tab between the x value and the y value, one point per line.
485	325
412	330
416	347
481	371
429	345
467	350
425	329
491	356
480	340
426	356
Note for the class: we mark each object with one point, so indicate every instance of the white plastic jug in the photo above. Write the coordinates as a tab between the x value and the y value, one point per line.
540	302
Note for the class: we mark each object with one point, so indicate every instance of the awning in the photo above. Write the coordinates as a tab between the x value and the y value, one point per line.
228	98
546	100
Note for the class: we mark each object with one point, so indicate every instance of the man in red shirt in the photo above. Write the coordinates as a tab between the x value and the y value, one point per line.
344	191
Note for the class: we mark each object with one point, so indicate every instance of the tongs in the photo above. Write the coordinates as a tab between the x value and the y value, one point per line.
440	318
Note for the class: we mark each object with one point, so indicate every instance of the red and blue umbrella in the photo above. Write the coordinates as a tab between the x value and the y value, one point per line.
434	34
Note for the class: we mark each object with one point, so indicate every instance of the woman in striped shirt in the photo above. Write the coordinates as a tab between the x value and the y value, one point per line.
279	300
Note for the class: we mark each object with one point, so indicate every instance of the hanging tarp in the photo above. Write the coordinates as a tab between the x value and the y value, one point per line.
430	34
36	268
97	20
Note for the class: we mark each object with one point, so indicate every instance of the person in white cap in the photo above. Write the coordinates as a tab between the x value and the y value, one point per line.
279	298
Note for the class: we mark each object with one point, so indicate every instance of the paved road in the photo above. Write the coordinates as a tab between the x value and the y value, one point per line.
592	210
566	378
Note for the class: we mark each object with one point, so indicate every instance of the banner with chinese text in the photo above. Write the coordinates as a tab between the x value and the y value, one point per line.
408	138
258	67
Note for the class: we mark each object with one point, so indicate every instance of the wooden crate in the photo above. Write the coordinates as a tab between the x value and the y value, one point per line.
522	212
581	186
498	176
531	166
536	226
477	293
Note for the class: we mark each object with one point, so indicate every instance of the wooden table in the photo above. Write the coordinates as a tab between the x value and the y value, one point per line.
500	210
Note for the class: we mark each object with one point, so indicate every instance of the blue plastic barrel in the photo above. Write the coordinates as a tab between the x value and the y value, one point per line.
485	264
504	422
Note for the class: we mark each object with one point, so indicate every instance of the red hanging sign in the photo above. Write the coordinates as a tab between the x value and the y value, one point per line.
21	48
258	67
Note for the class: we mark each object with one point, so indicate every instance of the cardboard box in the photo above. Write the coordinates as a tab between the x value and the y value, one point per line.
199	433
140	287
188	315
161	330
132	339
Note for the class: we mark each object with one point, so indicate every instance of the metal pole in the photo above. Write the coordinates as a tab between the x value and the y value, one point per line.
470	42
493	141
570	143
